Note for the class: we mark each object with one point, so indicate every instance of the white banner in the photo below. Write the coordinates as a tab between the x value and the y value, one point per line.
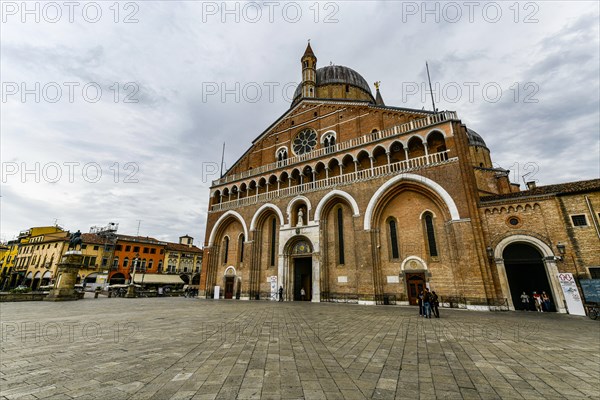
274	288
572	295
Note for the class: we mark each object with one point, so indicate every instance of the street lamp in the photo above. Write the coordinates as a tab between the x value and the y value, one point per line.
131	288
490	252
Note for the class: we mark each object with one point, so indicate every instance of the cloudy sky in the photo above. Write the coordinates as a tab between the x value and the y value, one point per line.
117	113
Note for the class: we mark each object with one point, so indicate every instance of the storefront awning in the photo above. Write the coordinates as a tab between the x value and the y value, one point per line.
158	278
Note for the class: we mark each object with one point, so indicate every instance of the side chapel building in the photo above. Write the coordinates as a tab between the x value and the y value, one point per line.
349	198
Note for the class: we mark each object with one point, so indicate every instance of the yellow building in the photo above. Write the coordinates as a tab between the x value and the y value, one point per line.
7	253
98	257
184	259
20	256
41	256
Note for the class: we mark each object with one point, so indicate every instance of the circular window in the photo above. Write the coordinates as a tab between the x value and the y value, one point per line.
305	142
514	221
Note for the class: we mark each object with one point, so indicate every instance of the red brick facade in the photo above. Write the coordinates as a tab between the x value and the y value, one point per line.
396	196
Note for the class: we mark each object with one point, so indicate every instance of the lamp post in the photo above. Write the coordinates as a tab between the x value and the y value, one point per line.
131	288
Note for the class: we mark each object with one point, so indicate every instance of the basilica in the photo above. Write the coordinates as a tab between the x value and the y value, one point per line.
344	198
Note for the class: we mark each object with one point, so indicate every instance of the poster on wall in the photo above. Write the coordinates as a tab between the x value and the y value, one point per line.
572	295
273	281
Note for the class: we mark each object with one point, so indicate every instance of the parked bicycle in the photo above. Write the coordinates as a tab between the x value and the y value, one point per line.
593	310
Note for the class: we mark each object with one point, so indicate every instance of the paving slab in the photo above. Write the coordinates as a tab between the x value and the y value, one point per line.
178	348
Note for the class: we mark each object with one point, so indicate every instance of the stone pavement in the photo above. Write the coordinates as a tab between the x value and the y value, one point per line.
177	348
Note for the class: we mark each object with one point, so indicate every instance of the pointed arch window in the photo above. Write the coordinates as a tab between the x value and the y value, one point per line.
272	244
393	238
431	242
340	228
225	249
241	247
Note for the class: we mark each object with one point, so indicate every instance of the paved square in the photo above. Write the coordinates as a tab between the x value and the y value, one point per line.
177	348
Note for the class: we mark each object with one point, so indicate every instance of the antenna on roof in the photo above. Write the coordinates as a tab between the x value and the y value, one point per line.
430	90
222	159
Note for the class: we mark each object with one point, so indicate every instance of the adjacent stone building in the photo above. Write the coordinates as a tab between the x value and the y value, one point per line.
344	197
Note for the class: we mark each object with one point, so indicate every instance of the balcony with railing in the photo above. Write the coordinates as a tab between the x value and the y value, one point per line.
430	120
404	166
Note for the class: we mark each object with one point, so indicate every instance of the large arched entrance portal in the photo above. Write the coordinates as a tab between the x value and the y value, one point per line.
525	272
300	283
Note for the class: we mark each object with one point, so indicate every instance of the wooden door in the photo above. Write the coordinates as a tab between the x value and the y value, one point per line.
229	287
415	283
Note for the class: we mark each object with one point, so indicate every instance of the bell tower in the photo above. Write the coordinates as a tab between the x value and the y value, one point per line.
309	73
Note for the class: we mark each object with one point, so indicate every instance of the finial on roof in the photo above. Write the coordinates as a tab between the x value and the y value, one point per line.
378	99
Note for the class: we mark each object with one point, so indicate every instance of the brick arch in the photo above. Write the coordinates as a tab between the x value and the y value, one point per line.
264	207
223	218
295	200
426	182
329	196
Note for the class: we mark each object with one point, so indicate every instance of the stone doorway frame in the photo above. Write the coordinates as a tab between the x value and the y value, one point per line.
549	260
286	274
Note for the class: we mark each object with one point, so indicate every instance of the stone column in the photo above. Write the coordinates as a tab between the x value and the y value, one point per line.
68	268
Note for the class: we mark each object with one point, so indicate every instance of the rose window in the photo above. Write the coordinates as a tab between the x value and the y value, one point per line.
305	142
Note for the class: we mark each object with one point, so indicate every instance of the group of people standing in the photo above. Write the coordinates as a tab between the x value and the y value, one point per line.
428	304
539	302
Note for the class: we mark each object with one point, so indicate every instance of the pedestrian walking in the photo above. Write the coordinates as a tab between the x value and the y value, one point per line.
537	300
427	304
435	304
420	302
280	293
525	301
302	294
546	301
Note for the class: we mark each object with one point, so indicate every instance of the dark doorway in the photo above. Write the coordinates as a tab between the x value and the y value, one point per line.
229	281
117	279
526	273
416	284
302	278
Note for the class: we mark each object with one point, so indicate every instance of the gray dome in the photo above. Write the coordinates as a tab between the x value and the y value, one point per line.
475	139
337	74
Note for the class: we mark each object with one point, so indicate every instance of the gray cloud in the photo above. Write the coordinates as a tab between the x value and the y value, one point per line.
174	51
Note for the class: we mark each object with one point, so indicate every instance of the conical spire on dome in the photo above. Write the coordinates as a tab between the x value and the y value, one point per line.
309	51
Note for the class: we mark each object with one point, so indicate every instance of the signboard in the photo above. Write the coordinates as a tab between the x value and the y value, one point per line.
217	292
572	297
273	281
591	290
